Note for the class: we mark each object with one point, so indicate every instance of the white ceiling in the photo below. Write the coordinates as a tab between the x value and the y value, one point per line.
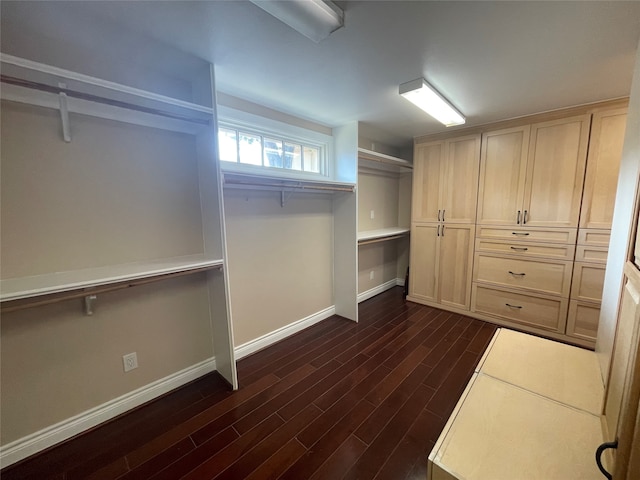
493	60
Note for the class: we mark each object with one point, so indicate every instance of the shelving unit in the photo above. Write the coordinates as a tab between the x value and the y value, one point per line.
384	196
93	271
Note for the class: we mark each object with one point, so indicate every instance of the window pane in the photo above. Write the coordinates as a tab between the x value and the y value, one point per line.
273	152
292	156
227	143
312	159
250	149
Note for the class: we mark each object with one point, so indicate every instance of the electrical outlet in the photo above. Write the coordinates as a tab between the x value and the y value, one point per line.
372	275
130	361
373	214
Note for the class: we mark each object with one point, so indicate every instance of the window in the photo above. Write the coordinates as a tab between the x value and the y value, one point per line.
249	146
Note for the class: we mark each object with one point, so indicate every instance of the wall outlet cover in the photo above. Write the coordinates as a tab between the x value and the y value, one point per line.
130	361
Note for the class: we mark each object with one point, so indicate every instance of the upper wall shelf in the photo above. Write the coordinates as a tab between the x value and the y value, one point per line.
382	235
42	85
22	288
380	161
253	181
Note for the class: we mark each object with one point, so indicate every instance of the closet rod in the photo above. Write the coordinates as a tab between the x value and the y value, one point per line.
97	99
281	186
47	299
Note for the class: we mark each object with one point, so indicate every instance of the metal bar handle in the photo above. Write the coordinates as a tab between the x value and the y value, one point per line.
513	306
518	221
443	215
599	451
517	274
524	218
438	214
523	249
438	229
442	231
519	233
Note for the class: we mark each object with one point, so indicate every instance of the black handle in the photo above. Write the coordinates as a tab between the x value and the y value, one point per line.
443	215
517	274
512	306
599	451
442	235
524	249
438	229
438	215
519	233
524	218
518	222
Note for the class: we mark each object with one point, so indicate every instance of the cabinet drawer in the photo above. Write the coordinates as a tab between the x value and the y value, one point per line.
534	310
598	238
586	253
588	281
529	234
583	319
544	276
537	250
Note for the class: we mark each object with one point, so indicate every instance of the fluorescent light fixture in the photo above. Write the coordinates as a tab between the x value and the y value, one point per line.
315	19
423	95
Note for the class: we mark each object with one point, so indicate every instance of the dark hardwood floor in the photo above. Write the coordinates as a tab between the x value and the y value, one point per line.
337	400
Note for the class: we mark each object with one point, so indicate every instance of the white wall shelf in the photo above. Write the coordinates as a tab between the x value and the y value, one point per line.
58	282
272	182
382	235
381	161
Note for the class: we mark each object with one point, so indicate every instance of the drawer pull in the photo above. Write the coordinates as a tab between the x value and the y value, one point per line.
438	215
517	274
513	306
519	233
518	221
523	249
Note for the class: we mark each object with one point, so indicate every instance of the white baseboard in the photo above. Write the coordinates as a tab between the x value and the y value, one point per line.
400	282
282	333
377	290
38	441
47	437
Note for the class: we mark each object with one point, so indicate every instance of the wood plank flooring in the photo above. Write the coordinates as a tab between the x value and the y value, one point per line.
338	400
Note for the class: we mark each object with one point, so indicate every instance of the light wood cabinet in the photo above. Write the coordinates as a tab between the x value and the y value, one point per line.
503	167
445	180
583	319
588	281
530	250
603	165
555	172
533	175
441	261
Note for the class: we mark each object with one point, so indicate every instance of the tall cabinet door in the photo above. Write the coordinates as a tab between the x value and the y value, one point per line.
460	179
555	172
603	165
425	242
503	167
427	179
456	257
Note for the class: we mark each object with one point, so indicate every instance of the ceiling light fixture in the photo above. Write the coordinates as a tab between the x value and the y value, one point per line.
315	19
423	95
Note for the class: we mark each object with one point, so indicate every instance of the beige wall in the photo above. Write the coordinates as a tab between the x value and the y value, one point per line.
379	258
280	259
117	193
377	192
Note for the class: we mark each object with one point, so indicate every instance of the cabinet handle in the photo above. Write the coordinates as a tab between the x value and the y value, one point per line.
519	233
442	231
518	221
524	218
438	215
443	215
513	306
599	451
523	249
517	274
438	229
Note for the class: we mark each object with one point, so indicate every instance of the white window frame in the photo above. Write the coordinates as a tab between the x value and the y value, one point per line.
267	127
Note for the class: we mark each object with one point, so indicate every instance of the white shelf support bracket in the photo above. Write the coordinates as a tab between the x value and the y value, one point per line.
64	114
89	302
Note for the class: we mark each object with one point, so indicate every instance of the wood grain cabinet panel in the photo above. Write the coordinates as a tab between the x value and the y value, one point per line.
533	250
555	172
503	162
596	238
583	319
603	165
586	253
456	257
588	281
544	276
547	313
545	235
460	183
427	180
425	245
